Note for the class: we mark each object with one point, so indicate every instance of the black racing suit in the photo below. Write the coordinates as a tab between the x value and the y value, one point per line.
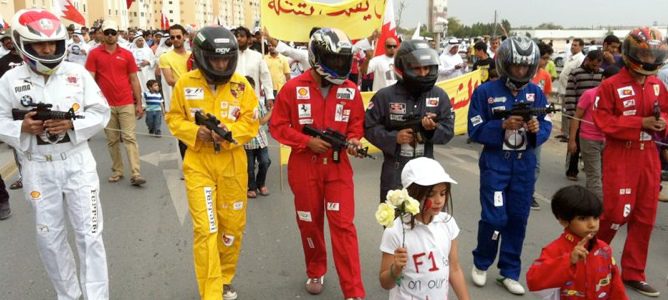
389	108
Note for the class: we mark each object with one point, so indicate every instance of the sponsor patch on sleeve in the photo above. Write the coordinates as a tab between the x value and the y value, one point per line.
477	120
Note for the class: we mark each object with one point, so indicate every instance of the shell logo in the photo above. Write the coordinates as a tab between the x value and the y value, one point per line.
302	91
76	106
35	195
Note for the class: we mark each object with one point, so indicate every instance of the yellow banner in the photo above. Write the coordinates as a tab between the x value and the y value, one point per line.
292	20
459	90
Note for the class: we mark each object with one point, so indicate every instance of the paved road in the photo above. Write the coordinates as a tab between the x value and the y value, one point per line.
148	233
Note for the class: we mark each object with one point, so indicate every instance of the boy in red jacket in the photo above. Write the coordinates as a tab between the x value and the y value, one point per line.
576	265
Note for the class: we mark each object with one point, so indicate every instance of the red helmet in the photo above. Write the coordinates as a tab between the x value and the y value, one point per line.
644	50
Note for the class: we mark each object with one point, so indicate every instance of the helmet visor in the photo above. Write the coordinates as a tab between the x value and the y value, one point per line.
337	64
53	58
651	58
420	58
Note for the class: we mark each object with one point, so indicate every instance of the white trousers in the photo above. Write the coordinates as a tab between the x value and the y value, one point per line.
68	182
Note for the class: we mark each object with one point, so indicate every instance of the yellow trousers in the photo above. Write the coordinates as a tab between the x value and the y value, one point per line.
216	187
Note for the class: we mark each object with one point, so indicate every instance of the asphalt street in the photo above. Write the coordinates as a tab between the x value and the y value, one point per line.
147	231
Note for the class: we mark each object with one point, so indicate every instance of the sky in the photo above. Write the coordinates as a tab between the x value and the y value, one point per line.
567	13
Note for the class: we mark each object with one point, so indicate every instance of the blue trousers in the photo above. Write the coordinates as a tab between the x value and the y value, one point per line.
262	157
154	121
506	188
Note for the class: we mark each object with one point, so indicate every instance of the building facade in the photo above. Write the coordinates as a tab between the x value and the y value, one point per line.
146	14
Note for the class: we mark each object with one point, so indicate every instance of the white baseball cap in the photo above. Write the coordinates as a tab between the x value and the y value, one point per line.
424	171
109	24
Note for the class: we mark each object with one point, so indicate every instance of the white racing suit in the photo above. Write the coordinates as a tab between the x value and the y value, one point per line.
59	174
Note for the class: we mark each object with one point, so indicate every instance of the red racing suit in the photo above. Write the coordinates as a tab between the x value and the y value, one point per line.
631	169
319	185
596	277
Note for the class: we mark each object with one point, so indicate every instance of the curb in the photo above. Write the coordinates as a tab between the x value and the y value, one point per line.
8	168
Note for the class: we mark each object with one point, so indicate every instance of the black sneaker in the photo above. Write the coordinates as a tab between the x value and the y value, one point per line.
5	213
642	287
534	204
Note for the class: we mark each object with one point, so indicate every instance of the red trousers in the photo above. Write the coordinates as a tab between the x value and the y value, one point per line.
323	187
631	182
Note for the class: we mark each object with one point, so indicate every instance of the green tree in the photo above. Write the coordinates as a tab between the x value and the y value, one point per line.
549	26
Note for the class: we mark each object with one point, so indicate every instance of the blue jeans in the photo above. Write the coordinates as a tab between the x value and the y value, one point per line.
154	121
262	156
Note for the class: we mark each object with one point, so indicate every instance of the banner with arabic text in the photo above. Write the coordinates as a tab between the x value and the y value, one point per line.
459	90
292	20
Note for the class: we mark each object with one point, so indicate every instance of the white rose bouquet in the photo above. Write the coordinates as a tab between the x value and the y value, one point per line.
398	203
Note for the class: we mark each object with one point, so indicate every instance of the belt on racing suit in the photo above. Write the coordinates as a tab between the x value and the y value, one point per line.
53	156
632	145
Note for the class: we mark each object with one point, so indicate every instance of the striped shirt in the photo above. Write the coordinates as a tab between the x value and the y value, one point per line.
580	80
153	101
260	140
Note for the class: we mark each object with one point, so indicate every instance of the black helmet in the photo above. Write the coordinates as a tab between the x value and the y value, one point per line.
517	50
215	42
412	54
330	52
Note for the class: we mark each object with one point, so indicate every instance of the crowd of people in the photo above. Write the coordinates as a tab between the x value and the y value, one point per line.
218	89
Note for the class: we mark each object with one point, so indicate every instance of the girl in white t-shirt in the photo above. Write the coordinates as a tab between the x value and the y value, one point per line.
429	263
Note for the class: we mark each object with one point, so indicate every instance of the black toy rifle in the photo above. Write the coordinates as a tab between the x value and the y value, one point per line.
337	140
211	123
524	110
44	113
413	121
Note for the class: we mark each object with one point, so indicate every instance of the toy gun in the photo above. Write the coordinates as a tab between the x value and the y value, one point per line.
414	122
337	140
524	110
211	123
44	113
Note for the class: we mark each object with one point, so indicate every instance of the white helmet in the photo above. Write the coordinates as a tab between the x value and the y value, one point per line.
38	25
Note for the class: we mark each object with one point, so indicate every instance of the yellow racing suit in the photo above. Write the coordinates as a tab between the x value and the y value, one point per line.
215	182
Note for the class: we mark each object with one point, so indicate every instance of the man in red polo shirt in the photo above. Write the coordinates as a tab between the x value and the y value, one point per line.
115	71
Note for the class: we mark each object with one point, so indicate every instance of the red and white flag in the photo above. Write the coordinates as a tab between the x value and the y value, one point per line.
164	21
389	29
64	9
129	3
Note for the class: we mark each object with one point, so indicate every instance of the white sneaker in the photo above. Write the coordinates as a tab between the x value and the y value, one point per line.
511	285
479	276
229	293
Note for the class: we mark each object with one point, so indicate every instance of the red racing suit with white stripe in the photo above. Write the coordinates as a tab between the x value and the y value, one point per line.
320	185
631	168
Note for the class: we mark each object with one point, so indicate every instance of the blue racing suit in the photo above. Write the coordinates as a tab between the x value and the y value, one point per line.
507	165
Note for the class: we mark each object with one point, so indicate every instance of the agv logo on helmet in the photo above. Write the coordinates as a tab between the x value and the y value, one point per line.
222	50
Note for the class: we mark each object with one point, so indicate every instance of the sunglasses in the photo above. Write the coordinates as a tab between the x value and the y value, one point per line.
110	32
390	46
175	37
